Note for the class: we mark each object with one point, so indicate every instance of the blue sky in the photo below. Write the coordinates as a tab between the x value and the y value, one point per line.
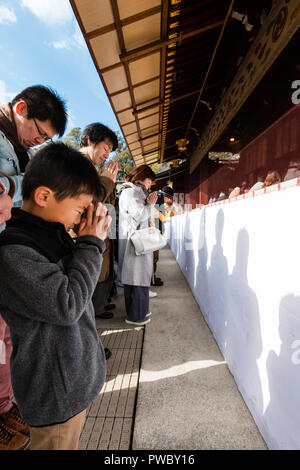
41	43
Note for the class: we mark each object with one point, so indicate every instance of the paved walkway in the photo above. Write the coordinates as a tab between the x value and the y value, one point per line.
109	420
182	395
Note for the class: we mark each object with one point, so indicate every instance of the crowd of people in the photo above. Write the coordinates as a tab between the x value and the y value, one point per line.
272	177
57	257
58	253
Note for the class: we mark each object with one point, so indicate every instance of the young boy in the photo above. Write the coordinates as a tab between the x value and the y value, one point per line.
58	363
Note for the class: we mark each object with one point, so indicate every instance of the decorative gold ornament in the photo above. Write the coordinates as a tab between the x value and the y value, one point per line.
181	144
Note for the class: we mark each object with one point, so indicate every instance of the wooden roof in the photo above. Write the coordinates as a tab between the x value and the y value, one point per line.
154	57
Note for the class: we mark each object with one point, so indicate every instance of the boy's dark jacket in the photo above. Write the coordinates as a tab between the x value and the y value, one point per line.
58	363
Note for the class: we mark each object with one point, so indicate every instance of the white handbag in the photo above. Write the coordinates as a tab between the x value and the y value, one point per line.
147	240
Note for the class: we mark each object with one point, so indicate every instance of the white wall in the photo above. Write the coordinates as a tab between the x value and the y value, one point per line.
242	262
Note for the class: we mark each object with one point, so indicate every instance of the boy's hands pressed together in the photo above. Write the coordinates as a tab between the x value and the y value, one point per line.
96	225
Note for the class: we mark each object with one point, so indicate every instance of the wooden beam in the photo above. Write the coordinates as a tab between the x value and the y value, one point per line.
149	136
109	67
141	16
156	45
142	130
131	19
149	115
149	80
146	117
141	110
100	31
151	151
158	149
115	9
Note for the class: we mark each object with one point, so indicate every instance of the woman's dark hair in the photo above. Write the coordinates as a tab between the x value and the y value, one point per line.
97	132
44	103
272	177
64	170
140	173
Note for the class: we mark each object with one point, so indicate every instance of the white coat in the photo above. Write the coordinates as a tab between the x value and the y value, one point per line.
134	214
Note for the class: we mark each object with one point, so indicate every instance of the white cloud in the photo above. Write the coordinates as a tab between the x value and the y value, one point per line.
75	40
78	37
51	12
64	44
7	16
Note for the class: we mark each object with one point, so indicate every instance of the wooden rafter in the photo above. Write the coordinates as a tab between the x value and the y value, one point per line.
131	19
115	9
144	82
149	136
146	108
156	45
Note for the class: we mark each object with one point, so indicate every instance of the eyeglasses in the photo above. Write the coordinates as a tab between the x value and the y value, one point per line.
41	134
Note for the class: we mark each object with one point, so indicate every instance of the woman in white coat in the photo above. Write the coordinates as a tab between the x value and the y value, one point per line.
135	212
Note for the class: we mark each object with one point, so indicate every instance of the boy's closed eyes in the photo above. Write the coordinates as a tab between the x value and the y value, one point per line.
67	211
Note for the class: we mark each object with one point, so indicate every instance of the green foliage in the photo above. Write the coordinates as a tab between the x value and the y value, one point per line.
123	157
73	138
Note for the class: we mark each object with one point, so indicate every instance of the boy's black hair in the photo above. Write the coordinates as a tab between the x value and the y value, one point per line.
97	132
44	103
64	170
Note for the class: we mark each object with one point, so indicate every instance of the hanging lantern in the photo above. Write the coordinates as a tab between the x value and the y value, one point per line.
181	144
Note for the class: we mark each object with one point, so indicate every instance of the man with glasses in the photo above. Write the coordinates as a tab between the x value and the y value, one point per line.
42	135
33	117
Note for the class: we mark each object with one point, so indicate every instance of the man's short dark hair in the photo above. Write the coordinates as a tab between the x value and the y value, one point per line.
97	132
66	171
44	103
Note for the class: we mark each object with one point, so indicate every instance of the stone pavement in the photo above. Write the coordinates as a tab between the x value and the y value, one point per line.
109	420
